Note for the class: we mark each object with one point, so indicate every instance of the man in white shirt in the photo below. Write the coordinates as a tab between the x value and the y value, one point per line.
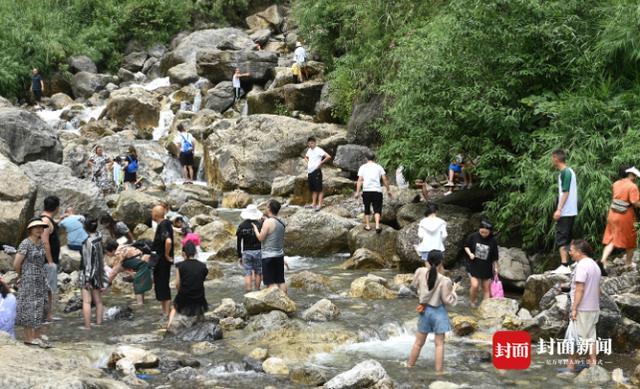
315	157
369	176
186	145
300	56
567	210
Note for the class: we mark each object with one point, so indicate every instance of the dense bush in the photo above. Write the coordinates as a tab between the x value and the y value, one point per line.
505	82
44	33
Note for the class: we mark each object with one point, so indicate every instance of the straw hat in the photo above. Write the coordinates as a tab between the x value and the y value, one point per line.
37	222
251	213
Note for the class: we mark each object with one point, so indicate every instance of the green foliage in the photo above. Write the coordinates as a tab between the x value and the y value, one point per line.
503	81
44	33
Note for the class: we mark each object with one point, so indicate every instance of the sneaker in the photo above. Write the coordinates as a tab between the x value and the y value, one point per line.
448	193
449	184
562	269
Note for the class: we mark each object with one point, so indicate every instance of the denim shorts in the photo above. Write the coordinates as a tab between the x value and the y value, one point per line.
455	167
434	319
252	261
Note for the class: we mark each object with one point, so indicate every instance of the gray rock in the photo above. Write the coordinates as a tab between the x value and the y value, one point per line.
626	337
82	63
183	74
267	321
157	51
610	315
596	375
134	61
350	157
207	331
367	374
126	75
550	323
133	104
316	233
182	375
383	243
537	285
28	137
362	123
309	375
134	207
627	283
60	100
267	300
629	304
515	267
270	17
219	65
52	179
325	107
261	36
16	202
220	97
323	310
293	97
85	84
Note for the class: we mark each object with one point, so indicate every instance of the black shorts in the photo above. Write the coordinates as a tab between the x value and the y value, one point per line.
564	228
315	181
186	158
273	270
37	94
372	199
130	177
161	276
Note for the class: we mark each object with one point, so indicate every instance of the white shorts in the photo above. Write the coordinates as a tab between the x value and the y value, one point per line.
586	324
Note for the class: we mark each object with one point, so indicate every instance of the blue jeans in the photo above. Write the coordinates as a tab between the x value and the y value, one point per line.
434	319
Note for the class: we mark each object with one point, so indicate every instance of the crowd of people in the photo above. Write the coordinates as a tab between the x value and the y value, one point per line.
260	249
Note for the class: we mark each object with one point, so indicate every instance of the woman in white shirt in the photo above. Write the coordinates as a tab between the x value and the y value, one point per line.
433	232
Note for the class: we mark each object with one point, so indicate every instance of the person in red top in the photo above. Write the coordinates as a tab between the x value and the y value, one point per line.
620	231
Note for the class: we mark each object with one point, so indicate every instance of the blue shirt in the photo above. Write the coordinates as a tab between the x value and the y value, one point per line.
8	314
76	235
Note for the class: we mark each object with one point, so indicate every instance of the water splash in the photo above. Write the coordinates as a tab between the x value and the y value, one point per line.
166	119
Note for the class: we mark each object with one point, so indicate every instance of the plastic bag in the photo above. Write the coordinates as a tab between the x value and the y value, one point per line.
571	335
496	288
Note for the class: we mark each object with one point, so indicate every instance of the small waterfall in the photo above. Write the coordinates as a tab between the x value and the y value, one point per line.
166	119
157	83
52	118
197	102
245	109
200	176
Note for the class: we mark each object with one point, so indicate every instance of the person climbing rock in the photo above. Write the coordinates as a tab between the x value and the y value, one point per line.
369	176
237	84
186	145
300	58
567	210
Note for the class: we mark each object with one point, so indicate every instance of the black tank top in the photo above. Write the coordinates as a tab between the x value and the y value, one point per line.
54	241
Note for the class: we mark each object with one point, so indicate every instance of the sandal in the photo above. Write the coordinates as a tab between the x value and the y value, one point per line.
40	343
367	228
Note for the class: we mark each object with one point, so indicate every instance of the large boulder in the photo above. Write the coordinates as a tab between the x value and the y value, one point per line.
629	304
371	287
363	121
383	243
220	97
200	332
293	97
248	153
28	137
498	308
51	179
134	207
515	267
367	374
85	84
325	108
627	283
133	104
134	61
219	65
550	323
316	233
16	202
236	199
215	235
310	282
364	259
351	157
82	63
60	100
610	315
537	285
272	17
323	310
267	300
223	39
183	74
460	224
139	357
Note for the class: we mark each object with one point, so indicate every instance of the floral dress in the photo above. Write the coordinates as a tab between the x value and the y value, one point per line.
32	292
100	174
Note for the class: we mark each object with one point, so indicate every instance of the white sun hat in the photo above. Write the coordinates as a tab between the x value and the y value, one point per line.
633	170
251	213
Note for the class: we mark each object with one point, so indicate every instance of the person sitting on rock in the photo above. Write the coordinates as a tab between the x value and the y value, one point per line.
435	290
190	277
458	168
129	258
74	225
7	309
481	248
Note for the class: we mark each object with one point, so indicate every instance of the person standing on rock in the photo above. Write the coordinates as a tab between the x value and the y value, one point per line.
482	264
237	85
434	291
131	169
100	170
74	225
92	276
163	247
315	157
585	297
621	231
433	232
129	258
272	237
32	293
51	241
37	85
567	210
300	57
369	176
249	247
186	144
190	277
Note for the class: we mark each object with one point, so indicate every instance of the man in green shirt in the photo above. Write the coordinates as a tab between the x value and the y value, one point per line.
567	209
